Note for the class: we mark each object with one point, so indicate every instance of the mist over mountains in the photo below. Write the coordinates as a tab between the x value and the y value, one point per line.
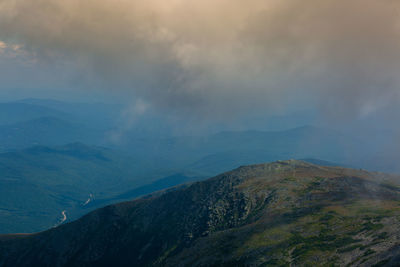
48	122
57	155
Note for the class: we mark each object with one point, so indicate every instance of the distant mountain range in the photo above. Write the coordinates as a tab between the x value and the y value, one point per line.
96	115
47	122
16	112
226	150
287	213
48	131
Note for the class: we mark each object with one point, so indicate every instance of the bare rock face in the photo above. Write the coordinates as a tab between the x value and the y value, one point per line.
282	213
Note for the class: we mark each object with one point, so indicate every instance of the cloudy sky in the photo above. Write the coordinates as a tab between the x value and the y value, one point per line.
209	58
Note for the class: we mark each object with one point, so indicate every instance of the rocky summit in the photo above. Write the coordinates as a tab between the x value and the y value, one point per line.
286	213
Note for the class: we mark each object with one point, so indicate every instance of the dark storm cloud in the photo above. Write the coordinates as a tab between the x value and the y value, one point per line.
219	56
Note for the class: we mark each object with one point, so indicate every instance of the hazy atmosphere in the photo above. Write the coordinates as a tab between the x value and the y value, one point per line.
103	101
208	66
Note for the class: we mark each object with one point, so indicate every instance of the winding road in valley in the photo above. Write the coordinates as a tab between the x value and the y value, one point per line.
64	218
89	200
64	214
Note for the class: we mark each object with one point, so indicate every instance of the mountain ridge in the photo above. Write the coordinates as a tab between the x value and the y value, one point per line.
286	212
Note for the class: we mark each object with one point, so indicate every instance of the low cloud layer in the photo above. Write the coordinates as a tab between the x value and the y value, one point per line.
220	56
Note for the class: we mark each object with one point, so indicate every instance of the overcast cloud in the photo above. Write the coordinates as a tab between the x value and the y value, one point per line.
221	57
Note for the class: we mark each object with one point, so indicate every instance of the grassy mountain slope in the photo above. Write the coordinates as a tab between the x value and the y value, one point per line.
283	213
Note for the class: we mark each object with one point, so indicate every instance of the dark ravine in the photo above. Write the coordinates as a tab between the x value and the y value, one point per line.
287	213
